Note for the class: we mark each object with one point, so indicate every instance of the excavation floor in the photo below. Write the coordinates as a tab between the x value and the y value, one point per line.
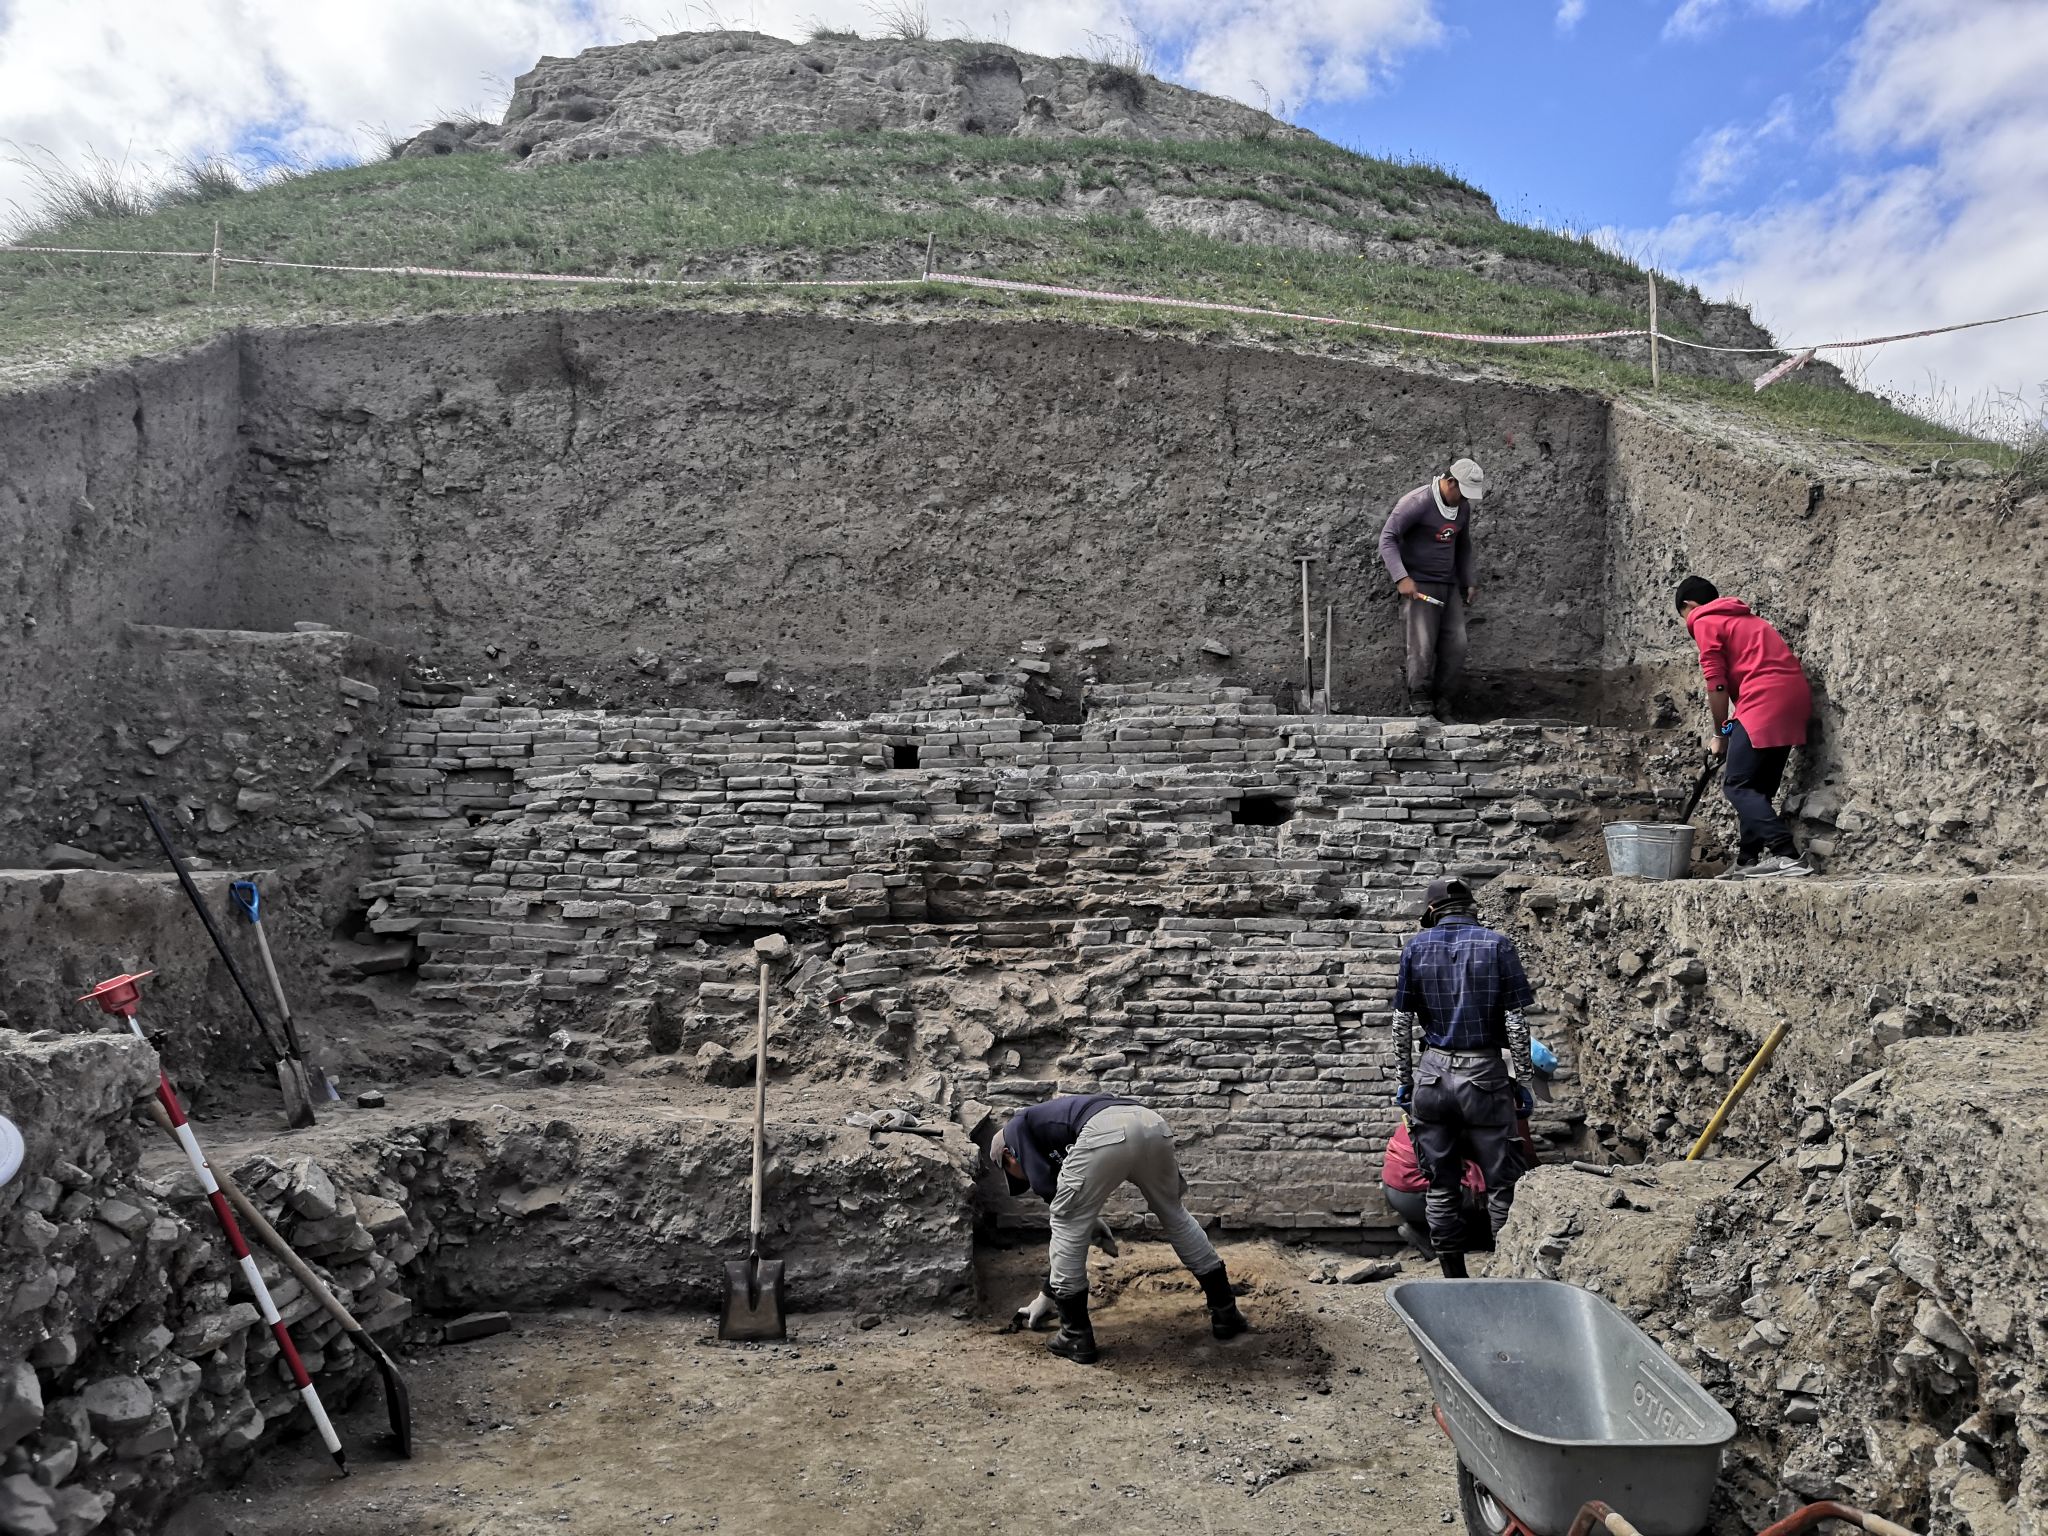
1316	1423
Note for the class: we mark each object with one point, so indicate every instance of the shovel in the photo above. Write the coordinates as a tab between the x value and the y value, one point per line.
397	1400
1706	776
753	1287
291	1071
249	897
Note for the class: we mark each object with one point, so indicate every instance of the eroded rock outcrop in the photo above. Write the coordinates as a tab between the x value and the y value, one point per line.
692	91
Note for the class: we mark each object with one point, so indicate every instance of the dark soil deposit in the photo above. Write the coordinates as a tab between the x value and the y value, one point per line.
538	665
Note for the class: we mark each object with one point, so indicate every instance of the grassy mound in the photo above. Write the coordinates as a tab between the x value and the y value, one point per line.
1308	227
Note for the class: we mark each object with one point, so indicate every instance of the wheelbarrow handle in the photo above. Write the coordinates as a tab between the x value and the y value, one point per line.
249	897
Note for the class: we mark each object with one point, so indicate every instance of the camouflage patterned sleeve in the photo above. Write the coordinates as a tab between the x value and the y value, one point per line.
1518	1049
1404	1049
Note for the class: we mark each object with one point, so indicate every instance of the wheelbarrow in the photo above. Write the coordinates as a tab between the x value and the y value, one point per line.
1568	1419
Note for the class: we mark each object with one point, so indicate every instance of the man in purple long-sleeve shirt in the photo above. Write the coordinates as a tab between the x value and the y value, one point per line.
1427	549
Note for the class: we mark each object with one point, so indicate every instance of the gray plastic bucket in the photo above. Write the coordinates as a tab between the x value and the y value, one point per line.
1648	851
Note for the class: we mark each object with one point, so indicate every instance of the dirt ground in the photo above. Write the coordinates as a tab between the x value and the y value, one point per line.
1316	1423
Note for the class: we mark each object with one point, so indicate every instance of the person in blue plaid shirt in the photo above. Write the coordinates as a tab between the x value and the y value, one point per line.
1463	986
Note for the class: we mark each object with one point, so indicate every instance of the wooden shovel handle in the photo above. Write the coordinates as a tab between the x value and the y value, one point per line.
254	1219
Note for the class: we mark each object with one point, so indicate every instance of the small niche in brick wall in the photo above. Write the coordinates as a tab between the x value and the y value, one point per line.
902	754
1261	811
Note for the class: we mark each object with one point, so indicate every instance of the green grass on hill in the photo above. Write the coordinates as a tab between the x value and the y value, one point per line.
858	207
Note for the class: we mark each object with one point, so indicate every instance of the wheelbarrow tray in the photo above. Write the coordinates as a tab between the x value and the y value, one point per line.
1552	1397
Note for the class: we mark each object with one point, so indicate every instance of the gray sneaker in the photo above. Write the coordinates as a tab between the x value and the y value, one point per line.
1778	866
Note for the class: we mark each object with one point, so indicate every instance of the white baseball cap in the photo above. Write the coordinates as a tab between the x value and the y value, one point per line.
1471	479
10	1150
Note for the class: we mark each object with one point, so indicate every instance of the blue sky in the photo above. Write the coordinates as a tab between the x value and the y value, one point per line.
1599	123
1846	167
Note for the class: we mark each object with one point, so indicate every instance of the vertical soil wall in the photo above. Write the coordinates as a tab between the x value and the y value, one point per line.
849	503
113	507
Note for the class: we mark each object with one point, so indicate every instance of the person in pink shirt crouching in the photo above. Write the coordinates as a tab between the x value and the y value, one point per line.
1761	704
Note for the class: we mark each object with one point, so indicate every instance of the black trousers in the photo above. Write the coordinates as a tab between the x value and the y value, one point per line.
1464	1107
1751	783
1412	1206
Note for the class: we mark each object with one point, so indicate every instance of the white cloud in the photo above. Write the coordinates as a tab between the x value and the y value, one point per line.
1717	160
148	84
1958	231
1721	159
1696	18
1569	13
1298	50
151	84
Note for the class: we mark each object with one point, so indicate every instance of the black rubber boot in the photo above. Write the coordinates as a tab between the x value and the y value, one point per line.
1225	1321
1453	1266
1076	1339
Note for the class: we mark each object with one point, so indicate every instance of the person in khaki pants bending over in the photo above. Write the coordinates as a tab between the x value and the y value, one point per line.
1427	548
1076	1151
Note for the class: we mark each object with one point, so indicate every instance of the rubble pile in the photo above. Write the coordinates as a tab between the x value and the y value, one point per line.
133	1370
1856	1271
1869	1307
255	745
1663	991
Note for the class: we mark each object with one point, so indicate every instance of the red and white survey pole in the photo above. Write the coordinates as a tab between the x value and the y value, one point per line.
121	995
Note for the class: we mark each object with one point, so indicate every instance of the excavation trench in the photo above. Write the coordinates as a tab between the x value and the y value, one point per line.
537	665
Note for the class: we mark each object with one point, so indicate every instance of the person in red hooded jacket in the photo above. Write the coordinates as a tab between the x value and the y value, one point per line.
1761	703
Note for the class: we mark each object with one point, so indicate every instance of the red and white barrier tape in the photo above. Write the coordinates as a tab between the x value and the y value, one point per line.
567	277
94	250
1791	364
1272	314
1868	341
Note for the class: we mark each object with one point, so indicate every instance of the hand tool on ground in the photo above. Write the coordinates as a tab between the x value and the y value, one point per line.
249	897
754	1286
121	995
1756	1064
893	1122
397	1400
291	1071
1706	777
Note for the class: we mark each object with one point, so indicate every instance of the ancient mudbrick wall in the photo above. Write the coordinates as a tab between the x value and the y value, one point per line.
1029	909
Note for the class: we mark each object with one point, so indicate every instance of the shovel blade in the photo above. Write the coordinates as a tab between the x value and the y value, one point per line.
298	1094
753	1301
397	1399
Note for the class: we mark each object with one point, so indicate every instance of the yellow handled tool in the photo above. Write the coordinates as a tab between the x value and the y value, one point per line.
1756	1064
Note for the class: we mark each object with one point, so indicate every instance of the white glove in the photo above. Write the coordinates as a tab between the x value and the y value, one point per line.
1036	1317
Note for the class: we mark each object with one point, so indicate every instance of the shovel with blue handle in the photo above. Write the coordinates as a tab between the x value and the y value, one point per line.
249	897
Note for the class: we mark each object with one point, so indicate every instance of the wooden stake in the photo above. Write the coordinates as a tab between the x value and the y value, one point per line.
1329	630
213	287
1308	661
930	240
1653	332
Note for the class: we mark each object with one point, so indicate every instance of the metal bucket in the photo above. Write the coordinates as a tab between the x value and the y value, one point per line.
1649	851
